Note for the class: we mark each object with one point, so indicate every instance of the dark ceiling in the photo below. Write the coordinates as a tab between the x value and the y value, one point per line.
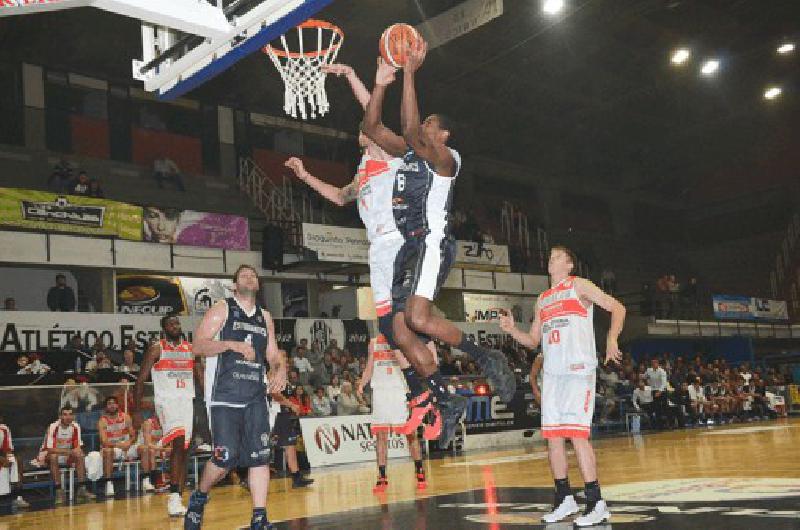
588	96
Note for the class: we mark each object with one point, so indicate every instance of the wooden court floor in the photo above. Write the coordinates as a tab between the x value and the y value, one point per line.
680	478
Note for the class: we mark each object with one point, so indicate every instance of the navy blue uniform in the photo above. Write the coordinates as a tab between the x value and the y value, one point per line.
236	392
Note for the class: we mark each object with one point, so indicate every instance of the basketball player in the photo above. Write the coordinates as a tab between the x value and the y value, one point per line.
371	188
421	202
237	337
388	409
116	439
170	364
9	470
62	446
150	448
563	326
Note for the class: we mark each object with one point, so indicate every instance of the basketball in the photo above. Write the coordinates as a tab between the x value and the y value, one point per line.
395	43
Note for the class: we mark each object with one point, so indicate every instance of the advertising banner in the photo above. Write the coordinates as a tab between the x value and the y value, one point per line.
351	335
344	439
484	256
198	229
480	307
148	294
728	307
489	414
39	210
336	243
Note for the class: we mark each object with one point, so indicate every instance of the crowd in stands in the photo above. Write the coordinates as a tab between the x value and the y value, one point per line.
67	178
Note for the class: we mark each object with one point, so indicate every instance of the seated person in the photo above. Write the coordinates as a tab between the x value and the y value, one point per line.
150	448
63	446
116	439
9	470
31	365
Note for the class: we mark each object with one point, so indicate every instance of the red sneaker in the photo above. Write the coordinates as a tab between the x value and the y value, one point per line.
421	482
433	427
381	485
419	406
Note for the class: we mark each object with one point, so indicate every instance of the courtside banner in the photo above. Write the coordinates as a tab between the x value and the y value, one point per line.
336	243
344	439
482	256
52	212
482	307
489	414
728	307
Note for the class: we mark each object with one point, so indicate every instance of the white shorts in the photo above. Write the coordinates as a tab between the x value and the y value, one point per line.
382	253
389	408
176	417
567	405
131	454
8	475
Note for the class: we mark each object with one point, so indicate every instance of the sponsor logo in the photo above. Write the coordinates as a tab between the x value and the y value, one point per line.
203	300
265	439
327	439
61	211
221	453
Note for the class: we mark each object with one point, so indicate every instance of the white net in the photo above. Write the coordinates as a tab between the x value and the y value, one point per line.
301	70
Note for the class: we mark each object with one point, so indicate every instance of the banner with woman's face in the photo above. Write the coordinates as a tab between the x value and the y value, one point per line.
199	229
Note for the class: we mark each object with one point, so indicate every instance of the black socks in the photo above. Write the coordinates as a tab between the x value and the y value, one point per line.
562	491
436	384
592	491
382	471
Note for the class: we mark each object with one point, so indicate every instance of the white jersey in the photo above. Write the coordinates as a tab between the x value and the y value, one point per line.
567	331
375	183
173	373
386	371
440	197
60	437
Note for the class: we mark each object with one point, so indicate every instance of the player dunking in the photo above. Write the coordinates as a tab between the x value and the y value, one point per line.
388	409
238	338
421	201
372	189
563	325
170	364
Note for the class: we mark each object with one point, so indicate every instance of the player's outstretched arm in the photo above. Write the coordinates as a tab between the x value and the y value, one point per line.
356	85
373	126
338	196
150	356
439	157
594	294
204	342
530	339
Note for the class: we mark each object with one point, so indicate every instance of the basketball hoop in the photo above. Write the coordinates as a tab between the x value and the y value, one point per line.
301	70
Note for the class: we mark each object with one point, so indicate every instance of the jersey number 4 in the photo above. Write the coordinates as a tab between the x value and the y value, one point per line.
554	337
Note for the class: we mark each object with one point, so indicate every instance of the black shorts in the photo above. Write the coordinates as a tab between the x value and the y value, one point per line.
240	436
286	429
421	267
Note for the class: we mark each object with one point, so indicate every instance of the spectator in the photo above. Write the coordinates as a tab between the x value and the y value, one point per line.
697	401
61	177
446	366
31	365
301	400
321	404
9	468
61	297
677	405
657	381
79	396
76	347
95	190
128	365
334	389
99	362
80	186
63	447
10	304
302	365
166	169
348	403
643	401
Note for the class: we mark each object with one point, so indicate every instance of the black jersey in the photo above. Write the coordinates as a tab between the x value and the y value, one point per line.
422	199
235	381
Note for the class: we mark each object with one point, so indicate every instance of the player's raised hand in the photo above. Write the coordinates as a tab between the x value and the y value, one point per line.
416	55
337	69
613	353
296	165
506	321
385	74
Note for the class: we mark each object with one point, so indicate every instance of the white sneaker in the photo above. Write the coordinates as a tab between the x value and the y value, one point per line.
600	514
175	507
109	489
567	507
20	503
147	487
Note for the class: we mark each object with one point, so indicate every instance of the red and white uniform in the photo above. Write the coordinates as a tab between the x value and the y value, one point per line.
173	385
570	361
156	431
389	408
7	474
375	188
118	431
60	437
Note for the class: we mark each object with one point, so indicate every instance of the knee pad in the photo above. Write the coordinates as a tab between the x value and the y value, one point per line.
385	326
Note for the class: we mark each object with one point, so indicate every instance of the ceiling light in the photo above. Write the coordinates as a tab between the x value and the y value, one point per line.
772	92
680	56
786	47
710	67
552	7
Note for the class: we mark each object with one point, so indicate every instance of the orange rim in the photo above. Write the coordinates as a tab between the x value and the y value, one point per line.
310	23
